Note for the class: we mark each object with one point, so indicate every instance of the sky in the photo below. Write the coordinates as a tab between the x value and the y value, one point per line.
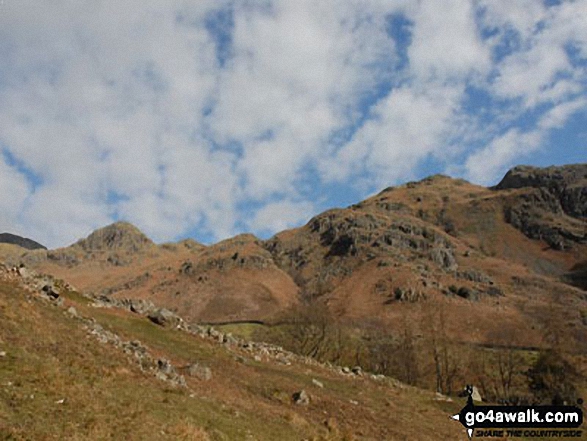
211	118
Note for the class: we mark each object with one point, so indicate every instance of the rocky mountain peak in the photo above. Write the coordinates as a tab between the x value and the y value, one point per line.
549	203
119	236
554	177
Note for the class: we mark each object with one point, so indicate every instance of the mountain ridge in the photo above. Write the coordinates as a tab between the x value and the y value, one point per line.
20	241
404	245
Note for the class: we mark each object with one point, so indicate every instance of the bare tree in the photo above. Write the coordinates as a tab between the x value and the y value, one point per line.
443	351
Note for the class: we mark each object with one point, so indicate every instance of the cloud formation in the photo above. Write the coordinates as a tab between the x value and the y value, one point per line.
215	117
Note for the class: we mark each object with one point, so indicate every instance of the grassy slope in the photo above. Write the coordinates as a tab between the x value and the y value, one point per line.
50	357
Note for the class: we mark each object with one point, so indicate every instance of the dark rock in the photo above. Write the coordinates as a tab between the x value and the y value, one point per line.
61	257
187	268
22	242
577	276
468	293
494	291
118	260
301	398
51	291
165	367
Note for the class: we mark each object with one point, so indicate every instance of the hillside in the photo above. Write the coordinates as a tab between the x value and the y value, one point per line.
70	369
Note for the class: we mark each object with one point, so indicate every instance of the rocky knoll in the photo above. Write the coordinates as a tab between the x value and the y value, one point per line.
550	204
118	236
335	244
116	244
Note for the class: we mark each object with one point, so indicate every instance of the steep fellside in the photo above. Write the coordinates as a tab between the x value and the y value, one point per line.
71	370
443	241
233	280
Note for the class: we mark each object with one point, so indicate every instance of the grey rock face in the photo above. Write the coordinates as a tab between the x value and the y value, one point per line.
411	295
551	204
444	258
475	276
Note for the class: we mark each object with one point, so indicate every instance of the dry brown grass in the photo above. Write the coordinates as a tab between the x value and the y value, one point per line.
50	358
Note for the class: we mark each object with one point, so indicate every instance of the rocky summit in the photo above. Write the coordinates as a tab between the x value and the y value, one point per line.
550	204
118	236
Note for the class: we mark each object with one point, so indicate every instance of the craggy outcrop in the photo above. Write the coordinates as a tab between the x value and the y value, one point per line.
550	203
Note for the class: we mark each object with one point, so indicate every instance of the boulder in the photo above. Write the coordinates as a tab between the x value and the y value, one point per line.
203	373
164	317
140	306
301	398
51	291
165	367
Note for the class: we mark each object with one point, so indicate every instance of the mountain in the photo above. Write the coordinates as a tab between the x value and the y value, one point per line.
477	251
121	236
22	242
436	284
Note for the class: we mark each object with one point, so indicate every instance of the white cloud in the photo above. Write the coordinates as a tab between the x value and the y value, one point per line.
541	69
406	126
125	110
446	43
14	190
485	164
277	216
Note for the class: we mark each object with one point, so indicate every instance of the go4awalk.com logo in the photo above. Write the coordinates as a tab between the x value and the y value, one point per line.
521	421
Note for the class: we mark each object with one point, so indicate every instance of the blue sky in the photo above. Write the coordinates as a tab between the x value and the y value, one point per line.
212	118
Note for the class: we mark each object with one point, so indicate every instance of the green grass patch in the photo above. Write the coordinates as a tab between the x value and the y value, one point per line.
246	331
